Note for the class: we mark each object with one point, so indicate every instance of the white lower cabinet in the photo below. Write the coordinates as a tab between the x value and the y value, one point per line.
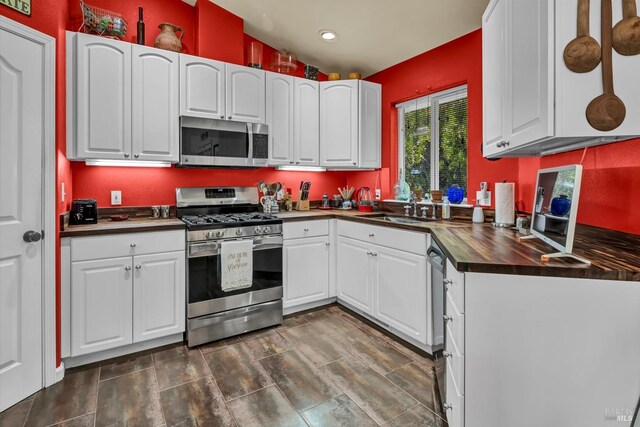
158	295
400	290
306	270
354	273
101	305
124	289
306	264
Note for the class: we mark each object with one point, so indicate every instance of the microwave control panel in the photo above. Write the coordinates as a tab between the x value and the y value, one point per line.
260	146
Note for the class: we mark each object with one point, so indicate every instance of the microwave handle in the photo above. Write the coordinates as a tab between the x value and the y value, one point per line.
250	140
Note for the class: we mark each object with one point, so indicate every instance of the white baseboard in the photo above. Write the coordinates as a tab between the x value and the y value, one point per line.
85	359
307	306
60	372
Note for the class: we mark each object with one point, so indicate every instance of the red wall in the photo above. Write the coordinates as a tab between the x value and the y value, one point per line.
610	193
219	33
452	64
156	186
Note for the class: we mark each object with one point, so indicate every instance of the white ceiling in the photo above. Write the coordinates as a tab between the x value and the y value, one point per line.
373	34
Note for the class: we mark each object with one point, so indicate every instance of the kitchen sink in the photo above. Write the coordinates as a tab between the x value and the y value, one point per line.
399	219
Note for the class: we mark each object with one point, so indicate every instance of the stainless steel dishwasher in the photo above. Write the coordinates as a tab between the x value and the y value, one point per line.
438	262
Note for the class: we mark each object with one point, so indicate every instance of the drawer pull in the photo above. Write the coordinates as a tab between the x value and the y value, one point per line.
369	253
447	406
374	253
371	234
127	268
133	245
448	282
446	354
327	244
306	229
447	318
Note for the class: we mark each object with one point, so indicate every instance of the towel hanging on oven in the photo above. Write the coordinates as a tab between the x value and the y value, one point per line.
237	264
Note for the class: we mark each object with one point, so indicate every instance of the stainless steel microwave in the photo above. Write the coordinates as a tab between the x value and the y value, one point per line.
222	143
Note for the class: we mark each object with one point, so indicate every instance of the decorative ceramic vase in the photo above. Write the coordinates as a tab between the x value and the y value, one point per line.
168	39
560	206
455	194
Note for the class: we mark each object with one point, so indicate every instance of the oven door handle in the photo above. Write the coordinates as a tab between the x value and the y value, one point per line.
263	243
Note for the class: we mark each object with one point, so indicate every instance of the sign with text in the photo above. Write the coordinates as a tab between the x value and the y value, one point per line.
22	6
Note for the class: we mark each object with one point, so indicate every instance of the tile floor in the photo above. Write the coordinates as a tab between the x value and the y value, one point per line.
322	368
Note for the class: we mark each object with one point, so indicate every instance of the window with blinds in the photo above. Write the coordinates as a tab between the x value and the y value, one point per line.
432	140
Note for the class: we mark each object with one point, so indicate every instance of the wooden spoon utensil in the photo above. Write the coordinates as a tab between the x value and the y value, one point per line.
607	111
626	33
582	54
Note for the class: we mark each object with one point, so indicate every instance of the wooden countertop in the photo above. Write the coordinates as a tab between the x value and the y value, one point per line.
482	248
131	225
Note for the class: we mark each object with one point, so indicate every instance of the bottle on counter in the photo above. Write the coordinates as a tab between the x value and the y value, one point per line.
478	213
446	208
140	39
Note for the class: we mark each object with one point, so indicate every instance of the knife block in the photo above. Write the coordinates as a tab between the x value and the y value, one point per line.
302	205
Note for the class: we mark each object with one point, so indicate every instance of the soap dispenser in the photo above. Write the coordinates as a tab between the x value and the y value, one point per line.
478	213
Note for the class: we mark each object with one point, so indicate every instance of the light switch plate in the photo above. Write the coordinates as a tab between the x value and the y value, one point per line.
116	198
483	202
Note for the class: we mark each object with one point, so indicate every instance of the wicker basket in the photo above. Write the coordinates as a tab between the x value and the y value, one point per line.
102	22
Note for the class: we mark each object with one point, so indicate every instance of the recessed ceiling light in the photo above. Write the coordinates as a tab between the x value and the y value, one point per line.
328	35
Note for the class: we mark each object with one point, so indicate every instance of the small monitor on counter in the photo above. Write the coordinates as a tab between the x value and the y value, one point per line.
555	209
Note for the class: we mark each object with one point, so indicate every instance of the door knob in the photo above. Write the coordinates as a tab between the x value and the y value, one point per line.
31	236
138	266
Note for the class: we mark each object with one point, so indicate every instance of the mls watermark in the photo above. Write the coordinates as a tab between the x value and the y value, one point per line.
618	414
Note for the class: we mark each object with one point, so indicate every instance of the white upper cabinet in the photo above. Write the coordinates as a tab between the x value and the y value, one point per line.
202	87
306	132
280	117
339	123
122	100
350	123
103	103
245	94
369	154
532	103
155	104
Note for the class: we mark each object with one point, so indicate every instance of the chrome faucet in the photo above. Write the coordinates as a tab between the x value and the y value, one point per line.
413	200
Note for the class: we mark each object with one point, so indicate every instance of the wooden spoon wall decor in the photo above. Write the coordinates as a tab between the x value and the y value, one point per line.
626	33
607	111
582	54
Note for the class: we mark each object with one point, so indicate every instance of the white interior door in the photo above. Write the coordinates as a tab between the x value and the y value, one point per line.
23	70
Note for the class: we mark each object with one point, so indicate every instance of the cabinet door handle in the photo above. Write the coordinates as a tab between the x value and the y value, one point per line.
371	234
327	244
138	266
133	245
297	163
447	318
447	406
136	155
127	268
306	229
126	155
369	253
222	116
354	163
374	254
229	117
446	354
448	282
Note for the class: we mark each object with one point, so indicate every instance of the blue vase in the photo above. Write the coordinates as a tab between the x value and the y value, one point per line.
560	206
455	194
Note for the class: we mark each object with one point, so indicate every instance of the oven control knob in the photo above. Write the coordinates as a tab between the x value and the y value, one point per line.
209	234
238	232
219	233
258	230
267	229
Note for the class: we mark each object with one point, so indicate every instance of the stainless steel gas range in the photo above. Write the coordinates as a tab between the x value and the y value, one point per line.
216	217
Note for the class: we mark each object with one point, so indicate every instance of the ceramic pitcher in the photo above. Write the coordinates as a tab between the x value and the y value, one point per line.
168	39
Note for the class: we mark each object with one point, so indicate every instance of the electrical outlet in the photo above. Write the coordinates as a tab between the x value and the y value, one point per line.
116	197
378	194
63	194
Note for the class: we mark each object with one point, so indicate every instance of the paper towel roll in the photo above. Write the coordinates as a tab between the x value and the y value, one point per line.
504	203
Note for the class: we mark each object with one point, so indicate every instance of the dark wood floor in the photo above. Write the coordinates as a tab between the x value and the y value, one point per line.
323	368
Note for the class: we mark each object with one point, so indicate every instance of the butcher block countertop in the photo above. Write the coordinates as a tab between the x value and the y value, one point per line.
131	225
481	248
478	248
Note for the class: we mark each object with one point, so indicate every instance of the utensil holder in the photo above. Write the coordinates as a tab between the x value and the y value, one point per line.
302	205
